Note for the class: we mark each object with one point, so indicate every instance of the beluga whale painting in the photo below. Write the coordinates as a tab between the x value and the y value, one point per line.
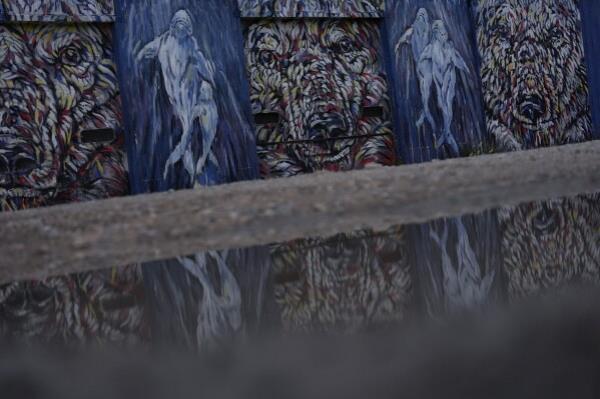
188	78
439	111
187	114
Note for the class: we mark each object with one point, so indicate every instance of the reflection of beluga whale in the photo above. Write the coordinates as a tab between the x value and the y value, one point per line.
464	286
444	60
419	34
219	313
189	82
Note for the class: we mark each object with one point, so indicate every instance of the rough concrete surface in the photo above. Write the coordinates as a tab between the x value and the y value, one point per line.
100	234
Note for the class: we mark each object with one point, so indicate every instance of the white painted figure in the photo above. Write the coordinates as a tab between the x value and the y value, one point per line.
220	309
464	285
445	60
418	35
189	82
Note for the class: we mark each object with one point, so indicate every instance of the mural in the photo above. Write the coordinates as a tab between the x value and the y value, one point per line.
186	105
458	262
58	10
185	95
58	89
590	15
536	95
343	284
319	96
533	72
311	8
549	244
439	110
102	306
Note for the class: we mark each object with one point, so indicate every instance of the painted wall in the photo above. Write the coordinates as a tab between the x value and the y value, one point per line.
590	14
533	72
61	141
346	283
311	8
227	91
536	94
533	82
319	95
313	88
58	10
185	98
435	78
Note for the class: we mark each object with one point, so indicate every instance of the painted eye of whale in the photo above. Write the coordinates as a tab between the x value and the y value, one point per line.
71	56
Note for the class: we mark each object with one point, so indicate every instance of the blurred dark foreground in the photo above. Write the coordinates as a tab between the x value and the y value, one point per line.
546	348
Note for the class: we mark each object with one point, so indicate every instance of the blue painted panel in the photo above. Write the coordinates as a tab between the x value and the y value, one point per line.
590	15
311	8
184	93
187	112
439	113
59	10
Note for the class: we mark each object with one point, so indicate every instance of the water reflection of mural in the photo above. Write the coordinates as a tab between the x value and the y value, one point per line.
437	88
533	72
319	96
57	85
88	307
461	269
206	300
551	243
59	10
343	284
310	8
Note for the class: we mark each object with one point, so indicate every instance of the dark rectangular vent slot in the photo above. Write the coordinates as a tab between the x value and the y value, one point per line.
98	136
372	112
265	118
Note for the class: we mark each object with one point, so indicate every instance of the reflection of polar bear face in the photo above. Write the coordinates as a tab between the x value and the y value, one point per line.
317	77
551	243
343	284
99	306
533	71
57	80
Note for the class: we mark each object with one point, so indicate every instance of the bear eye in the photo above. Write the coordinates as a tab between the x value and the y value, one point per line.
267	57
555	32
503	31
71	56
344	45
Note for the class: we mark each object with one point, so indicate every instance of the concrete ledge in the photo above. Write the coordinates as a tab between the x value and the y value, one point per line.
100	234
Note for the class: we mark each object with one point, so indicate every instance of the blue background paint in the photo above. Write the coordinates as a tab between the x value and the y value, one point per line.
590	15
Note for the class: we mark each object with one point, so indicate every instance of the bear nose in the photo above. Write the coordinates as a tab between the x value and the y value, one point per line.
9	117
328	128
23	165
4	166
16	159
532	107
